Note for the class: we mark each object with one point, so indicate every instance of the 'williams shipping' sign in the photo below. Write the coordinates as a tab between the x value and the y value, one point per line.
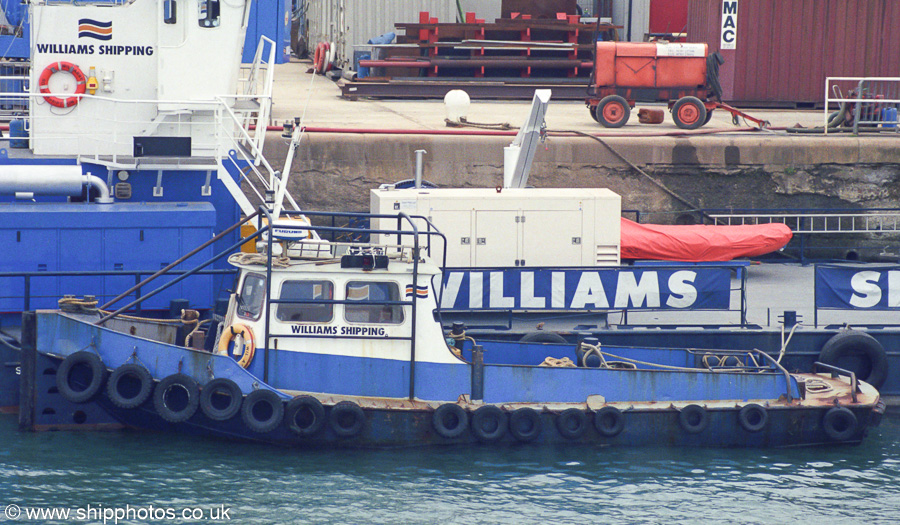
858	288
586	289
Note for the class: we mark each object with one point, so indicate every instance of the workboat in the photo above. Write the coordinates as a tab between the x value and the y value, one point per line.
339	343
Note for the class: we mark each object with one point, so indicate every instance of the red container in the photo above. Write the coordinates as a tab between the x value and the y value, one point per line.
786	48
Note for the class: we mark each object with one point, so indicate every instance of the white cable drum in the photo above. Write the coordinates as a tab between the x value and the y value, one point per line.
57	180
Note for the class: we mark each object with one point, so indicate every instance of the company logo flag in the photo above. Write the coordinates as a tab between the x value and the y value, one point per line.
89	28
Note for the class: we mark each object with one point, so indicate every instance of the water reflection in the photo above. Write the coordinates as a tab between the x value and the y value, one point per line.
456	485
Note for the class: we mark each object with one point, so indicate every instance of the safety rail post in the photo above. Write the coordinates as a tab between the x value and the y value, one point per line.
744	298
779	368
27	293
815	297
268	216
835	372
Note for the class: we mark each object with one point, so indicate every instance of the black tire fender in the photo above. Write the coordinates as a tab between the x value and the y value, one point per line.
525	424
571	423
839	423
855	343
609	421
211	395
347	419
262	411
129	385
305	415
693	419
489	423
185	399
450	420
67	376
753	417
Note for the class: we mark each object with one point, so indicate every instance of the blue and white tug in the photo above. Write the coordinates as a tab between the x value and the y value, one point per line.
340	344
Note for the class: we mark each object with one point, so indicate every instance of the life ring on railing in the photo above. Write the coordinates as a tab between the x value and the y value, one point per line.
56	67
320	57
229	334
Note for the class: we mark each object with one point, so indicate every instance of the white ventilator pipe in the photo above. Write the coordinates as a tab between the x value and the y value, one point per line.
55	180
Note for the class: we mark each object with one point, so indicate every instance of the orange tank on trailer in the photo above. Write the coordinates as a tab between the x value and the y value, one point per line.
680	74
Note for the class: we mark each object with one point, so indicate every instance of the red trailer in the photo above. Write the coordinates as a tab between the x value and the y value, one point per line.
683	75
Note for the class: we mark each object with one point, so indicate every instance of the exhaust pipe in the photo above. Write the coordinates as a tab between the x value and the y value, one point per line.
62	181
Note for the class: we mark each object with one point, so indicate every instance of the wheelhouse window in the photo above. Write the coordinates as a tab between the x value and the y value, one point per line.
252	297
306	312
368	303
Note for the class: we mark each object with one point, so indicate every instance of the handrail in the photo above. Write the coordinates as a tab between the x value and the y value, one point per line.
83	273
783	370
892	85
835	372
184	276
178	261
775	364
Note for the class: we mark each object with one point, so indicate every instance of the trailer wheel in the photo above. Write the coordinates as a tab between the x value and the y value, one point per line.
689	113
709	113
613	111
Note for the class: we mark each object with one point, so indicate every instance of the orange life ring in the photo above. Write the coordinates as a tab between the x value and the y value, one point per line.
320	56
249	347
56	67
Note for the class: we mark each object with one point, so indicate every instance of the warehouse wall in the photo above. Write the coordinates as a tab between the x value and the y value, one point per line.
786	48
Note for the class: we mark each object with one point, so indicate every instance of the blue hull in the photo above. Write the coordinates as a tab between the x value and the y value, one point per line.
541	414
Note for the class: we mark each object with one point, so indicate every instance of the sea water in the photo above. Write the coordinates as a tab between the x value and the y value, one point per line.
193	480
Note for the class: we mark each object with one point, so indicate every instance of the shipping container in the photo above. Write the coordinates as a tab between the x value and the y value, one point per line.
784	49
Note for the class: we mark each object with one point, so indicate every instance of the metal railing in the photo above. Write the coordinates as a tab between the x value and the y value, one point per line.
869	102
28	278
832	222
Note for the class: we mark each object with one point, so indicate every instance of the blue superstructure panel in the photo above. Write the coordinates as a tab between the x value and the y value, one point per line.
271	18
127	237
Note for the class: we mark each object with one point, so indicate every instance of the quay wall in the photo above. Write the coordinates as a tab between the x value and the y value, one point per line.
335	171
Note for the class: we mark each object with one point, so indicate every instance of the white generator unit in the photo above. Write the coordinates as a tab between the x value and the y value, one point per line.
488	227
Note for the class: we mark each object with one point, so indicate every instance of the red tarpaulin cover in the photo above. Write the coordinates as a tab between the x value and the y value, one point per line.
701	242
